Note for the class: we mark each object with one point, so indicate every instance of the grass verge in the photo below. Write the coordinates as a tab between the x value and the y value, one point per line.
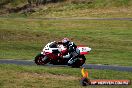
110	40
51	77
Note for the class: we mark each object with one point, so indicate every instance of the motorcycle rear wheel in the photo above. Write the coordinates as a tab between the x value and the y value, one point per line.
79	62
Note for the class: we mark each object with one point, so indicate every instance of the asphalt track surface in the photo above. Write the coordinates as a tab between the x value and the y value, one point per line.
89	66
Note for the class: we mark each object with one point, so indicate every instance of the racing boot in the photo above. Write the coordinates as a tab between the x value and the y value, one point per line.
71	61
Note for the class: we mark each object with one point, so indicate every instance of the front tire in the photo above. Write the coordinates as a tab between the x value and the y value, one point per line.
41	59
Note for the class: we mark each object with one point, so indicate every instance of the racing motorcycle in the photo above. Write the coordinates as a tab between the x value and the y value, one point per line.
57	54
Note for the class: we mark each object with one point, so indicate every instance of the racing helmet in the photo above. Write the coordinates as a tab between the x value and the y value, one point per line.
65	40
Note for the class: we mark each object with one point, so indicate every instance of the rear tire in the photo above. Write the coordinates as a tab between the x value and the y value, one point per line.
79	62
82	60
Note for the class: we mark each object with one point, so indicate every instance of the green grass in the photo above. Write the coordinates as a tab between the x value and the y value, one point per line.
82	10
110	40
75	8
22	38
51	77
13	3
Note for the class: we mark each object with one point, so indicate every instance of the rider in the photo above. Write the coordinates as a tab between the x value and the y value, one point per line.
72	49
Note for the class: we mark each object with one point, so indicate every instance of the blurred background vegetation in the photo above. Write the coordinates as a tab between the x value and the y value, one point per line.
58	6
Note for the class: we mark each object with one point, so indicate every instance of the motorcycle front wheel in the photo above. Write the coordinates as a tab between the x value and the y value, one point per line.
41	59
